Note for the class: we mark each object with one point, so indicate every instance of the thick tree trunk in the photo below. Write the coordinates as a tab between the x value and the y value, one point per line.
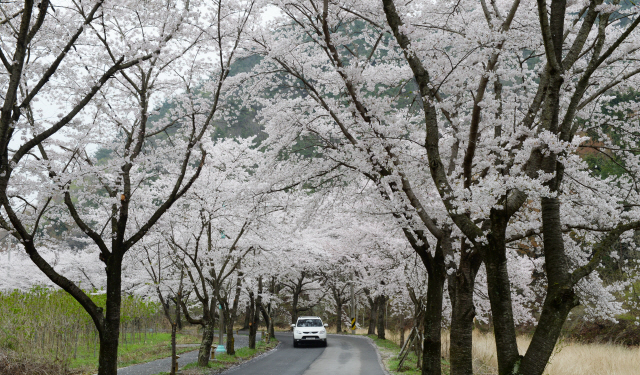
267	319
373	316
499	288
381	302
294	302
560	297
108	359
432	348
230	340
555	310
233	314
247	317
207	322
461	286
272	329
207	340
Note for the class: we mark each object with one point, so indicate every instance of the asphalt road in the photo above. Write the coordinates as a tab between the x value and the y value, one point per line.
344	355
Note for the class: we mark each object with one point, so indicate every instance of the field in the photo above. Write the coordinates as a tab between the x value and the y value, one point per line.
42	326
570	357
47	330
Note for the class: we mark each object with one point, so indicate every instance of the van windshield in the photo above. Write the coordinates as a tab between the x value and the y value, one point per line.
309	323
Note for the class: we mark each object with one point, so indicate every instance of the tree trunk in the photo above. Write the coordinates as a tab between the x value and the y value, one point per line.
560	297
267	319
178	317
207	340
272	329
247	317
339	316
402	330
207	322
260	308
294	310
233	314
555	310
108	354
254	315
108	357
381	302
461	286
230	340
174	360
272	289
373	316
432	348
499	288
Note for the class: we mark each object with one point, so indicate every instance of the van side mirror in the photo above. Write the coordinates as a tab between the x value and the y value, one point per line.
326	325
293	326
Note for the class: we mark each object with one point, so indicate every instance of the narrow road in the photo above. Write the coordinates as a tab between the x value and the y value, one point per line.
344	355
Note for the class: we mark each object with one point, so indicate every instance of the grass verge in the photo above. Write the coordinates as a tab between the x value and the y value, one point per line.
389	352
156	347
225	361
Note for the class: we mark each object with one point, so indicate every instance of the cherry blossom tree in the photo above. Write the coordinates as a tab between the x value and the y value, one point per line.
553	116
457	137
151	159
302	284
221	227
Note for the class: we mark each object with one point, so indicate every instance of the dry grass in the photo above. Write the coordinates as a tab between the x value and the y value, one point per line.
12	363
600	359
569	358
484	352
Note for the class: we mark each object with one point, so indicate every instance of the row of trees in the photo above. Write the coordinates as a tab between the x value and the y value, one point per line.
444	132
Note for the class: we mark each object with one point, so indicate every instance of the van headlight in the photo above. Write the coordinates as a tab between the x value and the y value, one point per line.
298	331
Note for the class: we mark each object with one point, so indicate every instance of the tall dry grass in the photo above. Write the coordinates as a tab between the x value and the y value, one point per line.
569	358
485	361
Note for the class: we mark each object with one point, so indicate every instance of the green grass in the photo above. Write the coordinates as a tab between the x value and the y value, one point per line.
156	346
389	351
193	368
225	361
